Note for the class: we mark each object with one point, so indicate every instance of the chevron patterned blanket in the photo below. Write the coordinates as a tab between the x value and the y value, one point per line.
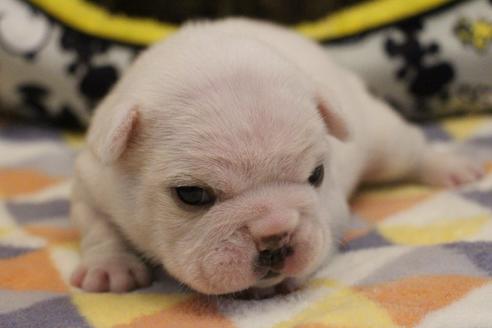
414	256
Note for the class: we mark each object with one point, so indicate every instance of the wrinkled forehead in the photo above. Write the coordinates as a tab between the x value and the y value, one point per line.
232	139
232	162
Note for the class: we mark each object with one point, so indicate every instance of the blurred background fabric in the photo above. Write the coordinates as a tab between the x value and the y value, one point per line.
413	257
429	58
178	12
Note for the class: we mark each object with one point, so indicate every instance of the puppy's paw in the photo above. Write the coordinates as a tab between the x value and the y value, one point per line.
112	274
448	169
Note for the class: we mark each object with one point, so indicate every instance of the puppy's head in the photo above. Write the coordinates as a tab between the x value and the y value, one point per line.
231	186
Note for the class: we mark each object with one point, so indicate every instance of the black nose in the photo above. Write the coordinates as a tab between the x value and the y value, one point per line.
274	258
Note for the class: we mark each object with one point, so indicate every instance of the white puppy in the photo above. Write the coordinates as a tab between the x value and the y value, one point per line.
227	154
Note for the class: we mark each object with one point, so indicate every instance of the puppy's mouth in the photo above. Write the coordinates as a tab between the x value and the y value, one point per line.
270	263
268	279
270	274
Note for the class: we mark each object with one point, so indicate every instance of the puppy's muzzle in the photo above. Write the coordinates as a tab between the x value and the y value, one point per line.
272	235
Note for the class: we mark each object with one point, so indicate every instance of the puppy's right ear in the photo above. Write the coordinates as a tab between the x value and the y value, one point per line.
110	131
331	116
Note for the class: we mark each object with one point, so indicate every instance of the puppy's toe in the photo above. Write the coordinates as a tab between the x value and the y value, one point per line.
111	276
95	280
78	275
121	280
450	170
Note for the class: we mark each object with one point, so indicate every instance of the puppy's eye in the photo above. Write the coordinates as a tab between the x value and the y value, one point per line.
194	196
316	177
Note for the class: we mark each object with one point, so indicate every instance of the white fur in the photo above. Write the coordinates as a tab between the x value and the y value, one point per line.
248	109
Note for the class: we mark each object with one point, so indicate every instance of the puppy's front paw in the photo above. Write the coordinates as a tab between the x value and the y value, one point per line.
112	274
448	169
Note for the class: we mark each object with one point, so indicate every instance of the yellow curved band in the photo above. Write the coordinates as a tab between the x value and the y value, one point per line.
95	20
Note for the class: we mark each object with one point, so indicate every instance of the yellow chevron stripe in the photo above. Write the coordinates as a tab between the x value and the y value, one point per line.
95	20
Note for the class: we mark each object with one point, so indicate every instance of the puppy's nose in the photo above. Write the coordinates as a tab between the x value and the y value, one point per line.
274	258
273	242
267	229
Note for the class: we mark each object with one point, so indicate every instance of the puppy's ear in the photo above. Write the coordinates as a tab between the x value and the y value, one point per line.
330	113
111	130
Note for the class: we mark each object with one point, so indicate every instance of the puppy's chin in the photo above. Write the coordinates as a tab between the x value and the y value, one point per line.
231	267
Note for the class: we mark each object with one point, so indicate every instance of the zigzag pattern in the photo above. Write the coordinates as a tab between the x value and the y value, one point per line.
414	257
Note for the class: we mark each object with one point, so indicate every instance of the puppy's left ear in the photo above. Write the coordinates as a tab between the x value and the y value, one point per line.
331	115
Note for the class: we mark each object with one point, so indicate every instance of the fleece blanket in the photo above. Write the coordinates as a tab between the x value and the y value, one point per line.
414	256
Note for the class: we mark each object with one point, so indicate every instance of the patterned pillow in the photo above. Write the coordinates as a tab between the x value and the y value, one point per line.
430	58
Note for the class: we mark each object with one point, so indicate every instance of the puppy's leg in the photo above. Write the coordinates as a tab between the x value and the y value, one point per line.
107	264
447	168
398	151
